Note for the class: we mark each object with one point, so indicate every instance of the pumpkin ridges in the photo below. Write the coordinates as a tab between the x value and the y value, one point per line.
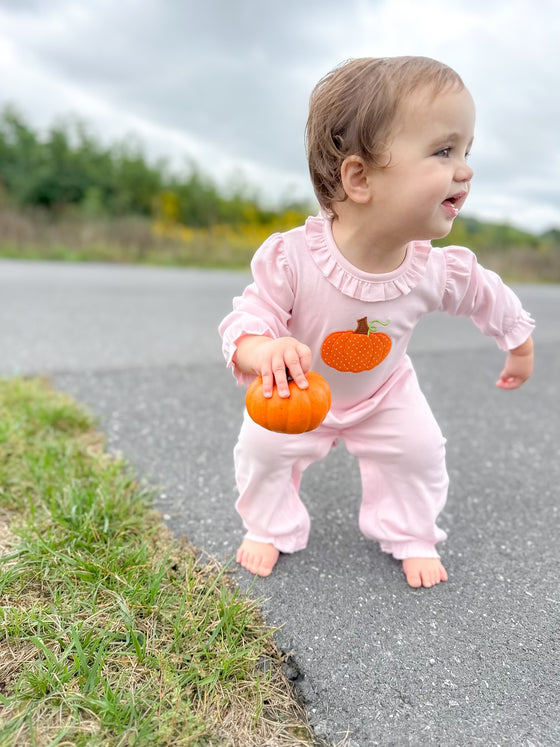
302	411
298	413
387	343
382	344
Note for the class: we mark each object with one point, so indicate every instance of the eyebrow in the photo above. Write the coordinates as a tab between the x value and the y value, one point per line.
451	137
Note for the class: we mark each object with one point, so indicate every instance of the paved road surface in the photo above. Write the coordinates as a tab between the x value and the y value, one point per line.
472	662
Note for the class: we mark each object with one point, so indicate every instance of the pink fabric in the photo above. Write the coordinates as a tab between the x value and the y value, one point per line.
303	287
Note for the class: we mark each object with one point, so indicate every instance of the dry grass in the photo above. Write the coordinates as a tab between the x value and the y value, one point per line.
524	265
32	234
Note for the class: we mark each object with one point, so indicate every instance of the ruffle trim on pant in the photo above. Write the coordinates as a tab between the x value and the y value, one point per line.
410	549
285	545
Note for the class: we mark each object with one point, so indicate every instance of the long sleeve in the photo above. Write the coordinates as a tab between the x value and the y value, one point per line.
473	291
265	306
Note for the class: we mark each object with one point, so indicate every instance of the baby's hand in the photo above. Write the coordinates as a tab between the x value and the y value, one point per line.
518	367
270	358
276	357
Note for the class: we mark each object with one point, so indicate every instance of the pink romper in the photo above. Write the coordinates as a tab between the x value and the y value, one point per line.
304	288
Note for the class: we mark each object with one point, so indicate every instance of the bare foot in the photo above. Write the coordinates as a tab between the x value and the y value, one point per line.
257	557
424	571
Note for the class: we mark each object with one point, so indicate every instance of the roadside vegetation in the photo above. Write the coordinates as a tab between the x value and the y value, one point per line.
66	196
113	632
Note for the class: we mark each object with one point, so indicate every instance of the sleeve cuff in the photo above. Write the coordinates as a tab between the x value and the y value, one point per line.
520	332
229	348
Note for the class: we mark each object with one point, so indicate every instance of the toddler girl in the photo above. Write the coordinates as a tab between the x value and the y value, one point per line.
387	145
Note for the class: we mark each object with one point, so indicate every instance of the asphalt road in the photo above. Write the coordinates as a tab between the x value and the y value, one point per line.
475	661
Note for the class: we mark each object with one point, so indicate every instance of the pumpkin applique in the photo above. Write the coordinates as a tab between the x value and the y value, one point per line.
356	350
302	411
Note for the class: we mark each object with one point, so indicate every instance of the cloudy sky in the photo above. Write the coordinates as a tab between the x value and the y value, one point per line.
226	82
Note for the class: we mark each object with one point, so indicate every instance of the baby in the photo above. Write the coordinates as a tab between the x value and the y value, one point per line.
387	142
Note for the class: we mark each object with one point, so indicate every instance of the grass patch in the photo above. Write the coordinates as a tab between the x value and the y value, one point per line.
112	632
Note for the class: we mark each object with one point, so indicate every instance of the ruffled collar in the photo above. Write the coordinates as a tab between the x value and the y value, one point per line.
354	282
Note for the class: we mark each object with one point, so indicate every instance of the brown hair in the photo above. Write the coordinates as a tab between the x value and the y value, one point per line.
352	109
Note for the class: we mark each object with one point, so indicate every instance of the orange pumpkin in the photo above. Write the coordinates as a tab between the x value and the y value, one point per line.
302	411
356	350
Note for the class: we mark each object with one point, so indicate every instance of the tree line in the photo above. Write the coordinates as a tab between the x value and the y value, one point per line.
70	168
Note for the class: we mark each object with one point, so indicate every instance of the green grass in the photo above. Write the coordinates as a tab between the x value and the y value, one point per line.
112	632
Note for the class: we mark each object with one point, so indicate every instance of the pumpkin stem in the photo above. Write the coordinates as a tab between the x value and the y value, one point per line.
372	327
362	328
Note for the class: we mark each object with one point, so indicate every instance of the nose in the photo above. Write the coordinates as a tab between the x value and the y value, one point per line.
464	172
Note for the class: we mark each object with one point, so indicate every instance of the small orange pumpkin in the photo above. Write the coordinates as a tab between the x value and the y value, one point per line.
302	411
356	350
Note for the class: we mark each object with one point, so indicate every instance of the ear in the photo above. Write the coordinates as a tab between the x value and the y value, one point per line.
354	175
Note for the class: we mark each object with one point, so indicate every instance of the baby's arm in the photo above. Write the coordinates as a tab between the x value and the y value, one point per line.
270	358
518	367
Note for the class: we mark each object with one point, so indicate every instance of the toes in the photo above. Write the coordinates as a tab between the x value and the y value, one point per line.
250	562
245	559
414	579
240	557
424	572
430	578
436	576
263	570
259	561
257	566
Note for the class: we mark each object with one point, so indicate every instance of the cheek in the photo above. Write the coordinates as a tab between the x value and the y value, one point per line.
436	184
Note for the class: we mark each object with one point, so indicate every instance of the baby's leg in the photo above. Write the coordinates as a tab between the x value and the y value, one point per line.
268	469
402	461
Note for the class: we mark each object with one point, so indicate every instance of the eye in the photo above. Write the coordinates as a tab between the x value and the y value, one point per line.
443	153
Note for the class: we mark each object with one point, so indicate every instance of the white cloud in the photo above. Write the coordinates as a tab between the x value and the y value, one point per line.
228	83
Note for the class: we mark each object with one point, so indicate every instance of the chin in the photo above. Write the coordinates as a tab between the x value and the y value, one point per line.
442	233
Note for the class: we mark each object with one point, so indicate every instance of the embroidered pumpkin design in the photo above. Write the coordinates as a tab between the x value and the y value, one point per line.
356	350
302	411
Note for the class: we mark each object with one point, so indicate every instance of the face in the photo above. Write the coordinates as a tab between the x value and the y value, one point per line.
427	180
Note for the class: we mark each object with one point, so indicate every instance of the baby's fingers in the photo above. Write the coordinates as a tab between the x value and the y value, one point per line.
298	361
267	376
280	372
286	357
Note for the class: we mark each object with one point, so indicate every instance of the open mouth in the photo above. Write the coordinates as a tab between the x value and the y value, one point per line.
454	203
